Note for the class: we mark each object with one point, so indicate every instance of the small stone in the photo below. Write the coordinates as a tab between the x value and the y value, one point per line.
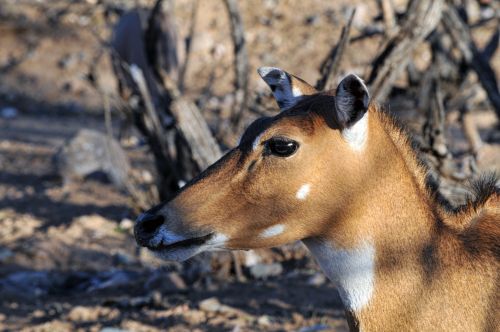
111	279
120	258
147	177
91	152
156	298
176	279
264	271
165	282
38	313
312	20
5	254
126	224
264	321
112	329
316	279
210	305
8	112
251	258
81	313
315	328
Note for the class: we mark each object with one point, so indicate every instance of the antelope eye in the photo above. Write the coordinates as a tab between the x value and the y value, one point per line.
281	147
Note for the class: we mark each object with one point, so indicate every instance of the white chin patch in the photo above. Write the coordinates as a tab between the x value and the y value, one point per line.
272	231
356	136
303	192
218	241
352	269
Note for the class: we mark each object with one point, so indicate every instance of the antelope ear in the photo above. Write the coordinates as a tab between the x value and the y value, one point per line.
287	89
351	100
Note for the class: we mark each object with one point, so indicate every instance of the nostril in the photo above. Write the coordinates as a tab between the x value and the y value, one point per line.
150	222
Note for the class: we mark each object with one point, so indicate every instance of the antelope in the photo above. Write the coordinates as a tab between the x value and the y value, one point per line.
335	172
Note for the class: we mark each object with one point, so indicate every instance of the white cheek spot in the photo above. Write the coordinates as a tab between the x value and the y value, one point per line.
352	269
296	92
303	191
256	142
356	135
272	231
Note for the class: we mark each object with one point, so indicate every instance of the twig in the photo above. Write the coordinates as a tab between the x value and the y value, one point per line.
160	40
492	45
193	127
189	42
471	132
422	17
240	61
460	33
152	118
330	66
150	126
387	9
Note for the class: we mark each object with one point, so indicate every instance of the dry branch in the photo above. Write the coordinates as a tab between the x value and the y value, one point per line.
460	33
330	66
193	127
492	45
160	39
188	44
389	16
240	61
471	133
422	17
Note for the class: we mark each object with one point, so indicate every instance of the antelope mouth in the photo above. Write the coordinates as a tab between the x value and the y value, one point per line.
182	244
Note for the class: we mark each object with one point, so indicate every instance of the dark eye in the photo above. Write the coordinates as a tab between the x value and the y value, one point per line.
282	147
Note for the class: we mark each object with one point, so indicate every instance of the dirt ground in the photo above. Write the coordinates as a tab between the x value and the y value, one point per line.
68	260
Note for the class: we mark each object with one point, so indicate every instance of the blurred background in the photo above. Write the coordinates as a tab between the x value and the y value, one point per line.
109	106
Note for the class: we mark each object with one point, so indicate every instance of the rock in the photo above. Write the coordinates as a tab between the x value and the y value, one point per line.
111	279
29	284
121	258
90	152
5	254
315	328
264	321
211	304
112	329
312	20
126	224
8	112
82	314
170	282
264	271
251	258
316	279
69	60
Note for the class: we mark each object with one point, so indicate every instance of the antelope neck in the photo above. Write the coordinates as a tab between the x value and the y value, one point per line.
388	223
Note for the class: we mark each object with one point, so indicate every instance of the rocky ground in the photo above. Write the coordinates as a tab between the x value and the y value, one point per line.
68	260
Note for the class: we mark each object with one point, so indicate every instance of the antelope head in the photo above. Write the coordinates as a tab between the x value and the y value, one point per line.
288	178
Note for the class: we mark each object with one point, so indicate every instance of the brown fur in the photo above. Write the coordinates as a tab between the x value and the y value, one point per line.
436	269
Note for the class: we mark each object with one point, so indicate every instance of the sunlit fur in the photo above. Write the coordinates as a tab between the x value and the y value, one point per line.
432	268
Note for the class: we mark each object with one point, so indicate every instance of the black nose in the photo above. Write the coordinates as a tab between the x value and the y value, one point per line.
146	226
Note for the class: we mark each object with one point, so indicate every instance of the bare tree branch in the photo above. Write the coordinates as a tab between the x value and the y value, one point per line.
240	61
460	33
330	66
389	16
188	43
422	17
193	127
